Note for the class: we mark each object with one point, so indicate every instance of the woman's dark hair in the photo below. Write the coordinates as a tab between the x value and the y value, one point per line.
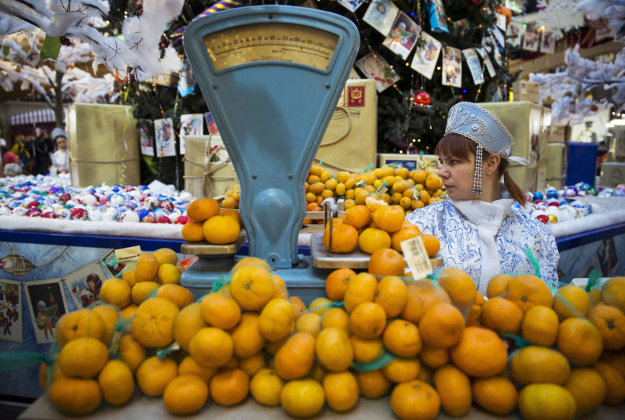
453	144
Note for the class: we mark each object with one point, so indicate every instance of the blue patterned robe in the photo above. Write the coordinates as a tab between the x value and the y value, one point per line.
461	245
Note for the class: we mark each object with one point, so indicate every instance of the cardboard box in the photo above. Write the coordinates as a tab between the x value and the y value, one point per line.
350	141
408	161
203	176
103	145
526	91
612	174
556	164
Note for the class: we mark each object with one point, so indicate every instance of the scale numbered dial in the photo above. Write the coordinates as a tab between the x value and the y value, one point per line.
278	41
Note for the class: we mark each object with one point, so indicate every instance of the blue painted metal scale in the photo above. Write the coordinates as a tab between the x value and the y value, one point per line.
271	76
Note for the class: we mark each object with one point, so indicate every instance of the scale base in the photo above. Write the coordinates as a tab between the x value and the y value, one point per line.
304	281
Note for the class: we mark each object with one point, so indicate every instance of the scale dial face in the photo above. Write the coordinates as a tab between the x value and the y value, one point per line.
271	41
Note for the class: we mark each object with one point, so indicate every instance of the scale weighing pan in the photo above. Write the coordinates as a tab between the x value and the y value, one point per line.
271	76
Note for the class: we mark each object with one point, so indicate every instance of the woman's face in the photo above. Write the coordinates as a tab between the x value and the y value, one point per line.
61	143
457	176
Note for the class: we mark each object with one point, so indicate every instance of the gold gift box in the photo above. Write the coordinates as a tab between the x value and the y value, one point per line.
203	178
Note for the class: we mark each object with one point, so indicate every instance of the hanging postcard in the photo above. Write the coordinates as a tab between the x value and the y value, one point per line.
11	310
531	39
146	136
110	264
46	304
84	285
210	123
475	65
164	135
437	17
190	125
499	36
487	62
186	83
426	55
403	36
351	5
501	21
548	42
373	66
380	15
490	45
514	34
452	67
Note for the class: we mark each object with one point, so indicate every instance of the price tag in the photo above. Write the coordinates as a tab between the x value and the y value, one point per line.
417	257
128	255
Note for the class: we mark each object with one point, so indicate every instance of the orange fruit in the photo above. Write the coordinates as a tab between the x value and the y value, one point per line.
128	275
146	268
116	292
276	320
341	390
336	318
360	288
501	315
221	230
415	400
372	239
178	295
266	386
153	323
83	357
495	394
533	364
309	322
320	305
401	235
246	336
81	323
109	315
188	321
434	357
402	370
232	212
366	351
610	322
587	387
480	353
613	292
358	216
337	281
498	285
302	398
391	293
131	352
614	359
129	311
251	287
193	231
142	291
220	310
614	381
211	347
368	320
389	218
168	274
386	262
251	365
460	287
441	326
185	394
570	301
117	382
431	243
279	287
202	209
421	295
154	374
166	256
344	238
540	325
527	290
542	401
473	317
433	182
580	341
296	356
188	366
454	390
298	305
229	387
251	261
402	338
373	384
334	350
75	396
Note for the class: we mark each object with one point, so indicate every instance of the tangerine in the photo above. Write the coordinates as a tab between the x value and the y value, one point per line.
229	387
185	394
202	209
386	262
221	230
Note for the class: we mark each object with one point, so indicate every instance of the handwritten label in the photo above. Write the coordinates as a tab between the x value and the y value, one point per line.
128	255
417	257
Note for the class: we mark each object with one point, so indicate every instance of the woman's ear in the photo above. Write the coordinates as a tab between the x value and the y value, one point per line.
492	164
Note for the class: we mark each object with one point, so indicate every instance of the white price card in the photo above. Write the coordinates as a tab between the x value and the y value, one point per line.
128	255
417	257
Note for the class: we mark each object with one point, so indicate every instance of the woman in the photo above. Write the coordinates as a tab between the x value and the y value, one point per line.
480	232
60	158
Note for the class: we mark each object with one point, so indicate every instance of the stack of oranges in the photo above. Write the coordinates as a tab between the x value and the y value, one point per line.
211	223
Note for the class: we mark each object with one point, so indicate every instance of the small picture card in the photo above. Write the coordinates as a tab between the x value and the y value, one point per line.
403	35
489	65
128	255
531	39
11	310
475	65
111	265
190	125
501	21
380	15
437	16
210	123
164	134
490	45
548	42
46	305
417	257
146	136
373	66
217	150
499	36
514	34
452	67
351	5
426	55
84	285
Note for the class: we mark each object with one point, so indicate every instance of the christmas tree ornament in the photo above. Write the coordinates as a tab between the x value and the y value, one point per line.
423	98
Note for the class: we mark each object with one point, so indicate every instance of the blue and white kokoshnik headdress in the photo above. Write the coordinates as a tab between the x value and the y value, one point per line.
474	122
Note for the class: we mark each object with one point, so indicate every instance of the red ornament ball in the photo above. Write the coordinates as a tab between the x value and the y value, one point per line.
423	98
475	2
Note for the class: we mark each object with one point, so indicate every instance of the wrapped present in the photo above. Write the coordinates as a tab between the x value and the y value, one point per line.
350	141
103	145
208	171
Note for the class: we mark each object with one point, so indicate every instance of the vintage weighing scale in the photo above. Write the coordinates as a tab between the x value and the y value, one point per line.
271	76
